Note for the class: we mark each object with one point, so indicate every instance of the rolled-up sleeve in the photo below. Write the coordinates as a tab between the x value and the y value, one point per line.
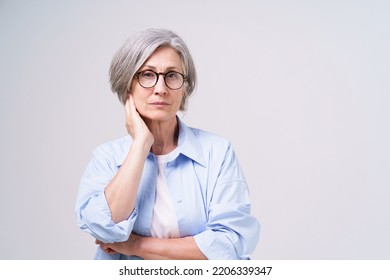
231	231
92	210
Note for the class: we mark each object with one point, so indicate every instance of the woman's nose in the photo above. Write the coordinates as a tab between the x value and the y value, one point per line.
160	87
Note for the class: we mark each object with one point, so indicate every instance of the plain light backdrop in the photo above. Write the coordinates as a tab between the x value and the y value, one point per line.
301	89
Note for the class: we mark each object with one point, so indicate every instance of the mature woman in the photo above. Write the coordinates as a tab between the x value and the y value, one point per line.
165	191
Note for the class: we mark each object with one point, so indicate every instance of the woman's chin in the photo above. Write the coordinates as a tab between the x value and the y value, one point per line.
159	116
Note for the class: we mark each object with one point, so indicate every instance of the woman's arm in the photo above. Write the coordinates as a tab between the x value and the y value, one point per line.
121	192
151	248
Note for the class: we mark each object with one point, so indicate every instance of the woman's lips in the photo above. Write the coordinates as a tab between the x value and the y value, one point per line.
159	103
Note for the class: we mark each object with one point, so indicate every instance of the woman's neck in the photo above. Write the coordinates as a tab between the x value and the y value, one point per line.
165	135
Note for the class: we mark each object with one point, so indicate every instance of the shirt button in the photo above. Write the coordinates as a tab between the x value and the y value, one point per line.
178	200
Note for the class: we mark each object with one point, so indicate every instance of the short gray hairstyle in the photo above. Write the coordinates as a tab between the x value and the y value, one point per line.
136	50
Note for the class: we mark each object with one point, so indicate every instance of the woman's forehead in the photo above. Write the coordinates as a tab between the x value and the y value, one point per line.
165	58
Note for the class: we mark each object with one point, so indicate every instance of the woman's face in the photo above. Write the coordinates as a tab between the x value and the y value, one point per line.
159	103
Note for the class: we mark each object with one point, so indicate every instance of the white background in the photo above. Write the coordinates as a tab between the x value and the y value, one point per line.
301	88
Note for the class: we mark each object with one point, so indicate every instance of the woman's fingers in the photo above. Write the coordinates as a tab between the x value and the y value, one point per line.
127	107
130	110
106	247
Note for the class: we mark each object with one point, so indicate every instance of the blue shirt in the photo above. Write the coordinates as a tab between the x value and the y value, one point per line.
208	190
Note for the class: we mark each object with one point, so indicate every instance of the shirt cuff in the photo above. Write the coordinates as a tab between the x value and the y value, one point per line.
215	245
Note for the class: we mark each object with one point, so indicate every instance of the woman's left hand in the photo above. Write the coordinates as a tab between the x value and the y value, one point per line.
127	247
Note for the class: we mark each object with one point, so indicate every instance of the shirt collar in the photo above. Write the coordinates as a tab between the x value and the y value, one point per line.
189	145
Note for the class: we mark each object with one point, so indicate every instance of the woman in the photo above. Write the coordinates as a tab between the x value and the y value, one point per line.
166	191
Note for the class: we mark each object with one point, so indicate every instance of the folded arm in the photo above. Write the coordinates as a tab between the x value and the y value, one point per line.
151	248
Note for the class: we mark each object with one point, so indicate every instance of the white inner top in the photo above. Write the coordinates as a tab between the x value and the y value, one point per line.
164	220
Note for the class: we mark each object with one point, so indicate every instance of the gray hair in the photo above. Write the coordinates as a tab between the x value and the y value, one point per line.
136	50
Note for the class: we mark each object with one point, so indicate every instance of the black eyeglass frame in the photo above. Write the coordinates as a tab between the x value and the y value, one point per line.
158	76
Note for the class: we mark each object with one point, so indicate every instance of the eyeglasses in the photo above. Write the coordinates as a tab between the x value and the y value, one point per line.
148	78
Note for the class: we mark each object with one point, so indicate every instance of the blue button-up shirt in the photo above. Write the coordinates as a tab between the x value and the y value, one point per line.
208	190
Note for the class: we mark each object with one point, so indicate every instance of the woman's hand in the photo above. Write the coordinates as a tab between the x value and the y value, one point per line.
135	125
126	248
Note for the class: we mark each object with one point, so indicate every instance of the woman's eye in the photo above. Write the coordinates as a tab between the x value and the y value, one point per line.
147	74
172	75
